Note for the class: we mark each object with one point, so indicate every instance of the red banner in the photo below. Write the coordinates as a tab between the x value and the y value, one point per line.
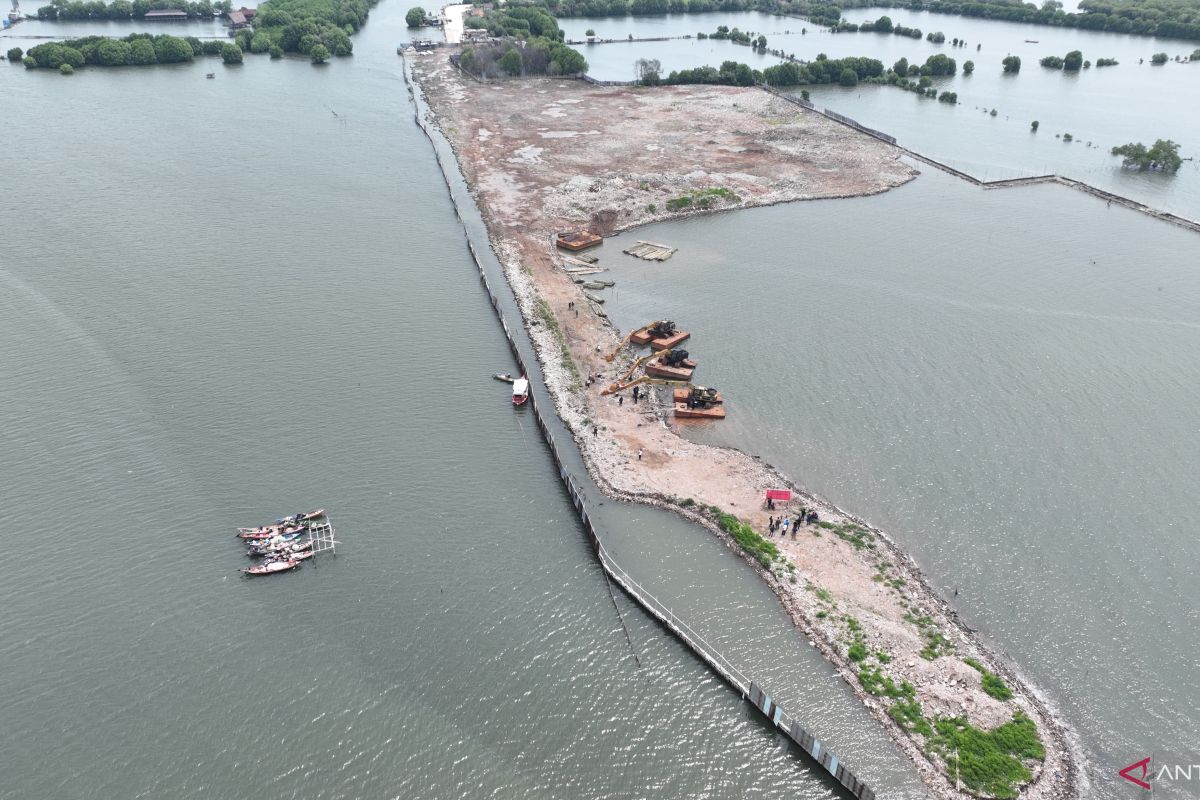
779	494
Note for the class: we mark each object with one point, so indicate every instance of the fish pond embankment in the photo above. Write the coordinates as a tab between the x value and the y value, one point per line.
544	155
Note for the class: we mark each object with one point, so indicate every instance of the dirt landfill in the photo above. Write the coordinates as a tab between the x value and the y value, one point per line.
544	155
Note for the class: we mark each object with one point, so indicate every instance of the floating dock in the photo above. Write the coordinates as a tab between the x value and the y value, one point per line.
669	342
657	369
577	240
712	412
650	251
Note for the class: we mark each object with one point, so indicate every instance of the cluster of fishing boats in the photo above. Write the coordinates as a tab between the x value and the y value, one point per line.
281	546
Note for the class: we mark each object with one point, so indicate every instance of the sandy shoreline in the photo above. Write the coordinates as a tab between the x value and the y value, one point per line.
545	155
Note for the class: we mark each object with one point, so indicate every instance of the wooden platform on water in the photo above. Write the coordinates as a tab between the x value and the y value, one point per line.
712	412
650	251
668	342
656	369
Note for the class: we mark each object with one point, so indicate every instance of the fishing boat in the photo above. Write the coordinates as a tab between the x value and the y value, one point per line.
520	391
259	549
504	376
270	531
271	567
284	522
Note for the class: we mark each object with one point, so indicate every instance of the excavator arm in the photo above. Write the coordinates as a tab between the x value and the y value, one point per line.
621	386
629	335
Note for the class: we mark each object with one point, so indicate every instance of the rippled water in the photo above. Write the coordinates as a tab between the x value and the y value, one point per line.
1005	381
1100	107
229	299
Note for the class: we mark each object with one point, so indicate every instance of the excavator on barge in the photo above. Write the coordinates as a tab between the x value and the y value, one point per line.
660	335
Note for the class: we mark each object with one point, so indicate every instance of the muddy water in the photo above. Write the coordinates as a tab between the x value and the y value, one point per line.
1003	380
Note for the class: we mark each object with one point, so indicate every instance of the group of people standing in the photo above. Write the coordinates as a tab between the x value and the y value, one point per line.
806	516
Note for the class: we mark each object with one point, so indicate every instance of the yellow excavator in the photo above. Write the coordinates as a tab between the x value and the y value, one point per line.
621	386
658	324
637	362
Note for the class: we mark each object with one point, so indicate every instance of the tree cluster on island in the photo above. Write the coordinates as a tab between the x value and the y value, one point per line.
129	9
1072	62
1166	18
318	29
532	44
415	17
1162	156
882	25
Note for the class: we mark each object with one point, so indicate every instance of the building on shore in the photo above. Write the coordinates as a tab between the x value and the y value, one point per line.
166	15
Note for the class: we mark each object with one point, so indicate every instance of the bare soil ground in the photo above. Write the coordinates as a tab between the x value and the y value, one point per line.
545	155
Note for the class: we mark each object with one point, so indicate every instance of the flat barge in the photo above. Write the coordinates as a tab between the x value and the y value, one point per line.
577	240
683	372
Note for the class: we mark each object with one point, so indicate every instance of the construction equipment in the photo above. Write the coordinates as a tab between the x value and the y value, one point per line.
699	402
698	396
653	330
622	386
640	333
672	358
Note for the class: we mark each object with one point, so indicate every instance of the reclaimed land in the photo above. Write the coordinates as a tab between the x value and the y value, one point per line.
546	155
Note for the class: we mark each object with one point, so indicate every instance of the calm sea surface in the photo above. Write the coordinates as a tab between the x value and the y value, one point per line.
1006	382
1099	107
229	299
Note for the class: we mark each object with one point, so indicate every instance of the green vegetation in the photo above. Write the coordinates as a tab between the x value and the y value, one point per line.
936	38
124	9
702	199
137	49
763	551
968	67
316	28
856	535
948	97
1034	126
1164	155
542	53
1158	59
991	683
415	17
1106	62
66	69
1012	64
1071	62
910	716
546	315
15	54
990	762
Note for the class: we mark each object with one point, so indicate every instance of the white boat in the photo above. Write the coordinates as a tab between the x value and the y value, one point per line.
520	391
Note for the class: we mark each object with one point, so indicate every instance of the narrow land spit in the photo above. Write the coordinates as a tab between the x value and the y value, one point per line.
547	155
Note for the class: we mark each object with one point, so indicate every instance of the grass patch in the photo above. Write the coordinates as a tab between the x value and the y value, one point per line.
990	762
705	198
880	685
857	651
911	717
856	535
823	595
992	683
763	551
822	614
826	525
546	315
883	657
936	645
